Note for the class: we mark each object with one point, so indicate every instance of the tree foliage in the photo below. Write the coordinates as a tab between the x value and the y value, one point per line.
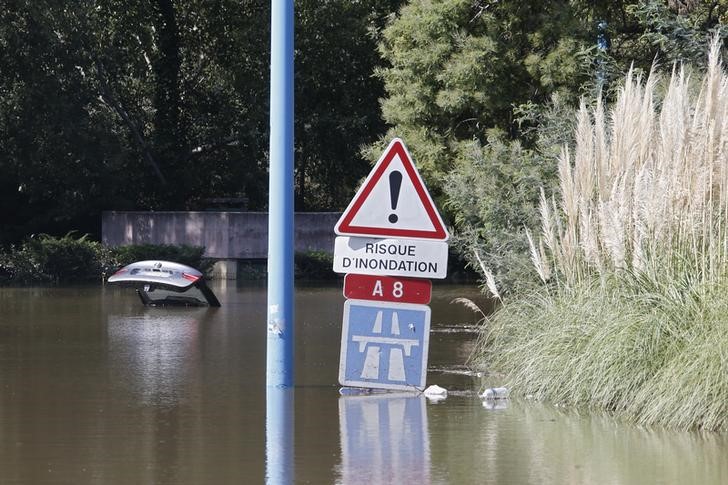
459	67
157	105
336	96
471	86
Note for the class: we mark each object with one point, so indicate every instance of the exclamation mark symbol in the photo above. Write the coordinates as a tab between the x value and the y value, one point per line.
395	183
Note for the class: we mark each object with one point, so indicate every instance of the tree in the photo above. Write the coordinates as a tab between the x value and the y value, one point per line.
458	68
110	104
337	97
58	156
483	93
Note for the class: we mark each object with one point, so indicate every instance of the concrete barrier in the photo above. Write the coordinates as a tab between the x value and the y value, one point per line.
226	236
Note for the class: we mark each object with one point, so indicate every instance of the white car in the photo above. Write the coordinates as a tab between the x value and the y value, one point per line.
160	283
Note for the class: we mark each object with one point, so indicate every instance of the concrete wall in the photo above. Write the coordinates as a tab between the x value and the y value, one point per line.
225	235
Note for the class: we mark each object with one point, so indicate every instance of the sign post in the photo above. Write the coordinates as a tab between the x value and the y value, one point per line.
279	365
391	238
279	355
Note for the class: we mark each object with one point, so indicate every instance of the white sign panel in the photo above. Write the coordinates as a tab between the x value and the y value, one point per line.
394	257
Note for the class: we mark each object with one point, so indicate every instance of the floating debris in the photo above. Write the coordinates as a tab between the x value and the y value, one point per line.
456	328
495	398
456	370
435	393
495	393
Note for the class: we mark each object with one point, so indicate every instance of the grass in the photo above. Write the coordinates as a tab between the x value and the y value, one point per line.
633	254
645	357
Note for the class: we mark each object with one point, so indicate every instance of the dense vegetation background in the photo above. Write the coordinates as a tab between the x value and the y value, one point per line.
108	104
484	93
158	105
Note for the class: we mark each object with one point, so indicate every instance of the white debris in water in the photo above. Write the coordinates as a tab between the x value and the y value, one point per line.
495	393
435	393
436	390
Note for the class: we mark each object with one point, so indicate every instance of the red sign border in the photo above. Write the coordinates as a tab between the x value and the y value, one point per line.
396	147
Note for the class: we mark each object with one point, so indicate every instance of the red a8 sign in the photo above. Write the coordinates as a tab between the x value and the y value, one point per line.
387	288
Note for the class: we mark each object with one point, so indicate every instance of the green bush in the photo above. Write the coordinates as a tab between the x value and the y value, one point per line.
19	266
48	259
494	192
44	258
67	258
314	265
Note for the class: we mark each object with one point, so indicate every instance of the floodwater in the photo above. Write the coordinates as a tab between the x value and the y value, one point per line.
95	388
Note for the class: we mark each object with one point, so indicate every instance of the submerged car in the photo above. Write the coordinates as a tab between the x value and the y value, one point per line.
163	283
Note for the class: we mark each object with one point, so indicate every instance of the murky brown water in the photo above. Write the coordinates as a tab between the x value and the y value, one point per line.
95	388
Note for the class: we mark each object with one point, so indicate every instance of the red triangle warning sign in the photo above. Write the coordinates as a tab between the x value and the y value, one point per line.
393	202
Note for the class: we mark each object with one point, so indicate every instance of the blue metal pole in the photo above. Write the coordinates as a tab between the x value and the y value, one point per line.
279	370
279	431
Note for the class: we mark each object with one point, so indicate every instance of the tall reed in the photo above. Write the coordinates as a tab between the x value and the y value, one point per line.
645	180
634	250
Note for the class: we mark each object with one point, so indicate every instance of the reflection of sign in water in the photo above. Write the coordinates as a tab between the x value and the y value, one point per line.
384	439
384	345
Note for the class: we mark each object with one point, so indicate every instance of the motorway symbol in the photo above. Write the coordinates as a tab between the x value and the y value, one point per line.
393	202
387	288
384	345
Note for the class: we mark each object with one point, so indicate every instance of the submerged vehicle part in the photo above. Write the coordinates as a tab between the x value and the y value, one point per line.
166	283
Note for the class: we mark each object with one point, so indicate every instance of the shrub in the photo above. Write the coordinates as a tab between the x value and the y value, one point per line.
634	256
314	265
494	192
47	258
66	257
19	266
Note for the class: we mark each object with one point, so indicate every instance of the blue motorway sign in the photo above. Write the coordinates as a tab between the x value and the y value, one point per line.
384	345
